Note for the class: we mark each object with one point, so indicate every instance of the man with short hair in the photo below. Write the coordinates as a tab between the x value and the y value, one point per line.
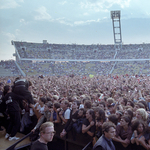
64	114
105	141
46	135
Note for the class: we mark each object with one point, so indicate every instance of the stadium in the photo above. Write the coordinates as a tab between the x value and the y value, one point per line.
102	81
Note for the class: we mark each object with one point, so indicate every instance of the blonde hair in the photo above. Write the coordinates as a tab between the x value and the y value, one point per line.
110	100
45	125
143	113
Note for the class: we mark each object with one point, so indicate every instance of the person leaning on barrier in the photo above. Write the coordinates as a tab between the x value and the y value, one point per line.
20	87
46	135
105	141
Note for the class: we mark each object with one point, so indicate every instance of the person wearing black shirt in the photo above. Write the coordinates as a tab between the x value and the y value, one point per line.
21	88
2	107
13	104
88	126
46	135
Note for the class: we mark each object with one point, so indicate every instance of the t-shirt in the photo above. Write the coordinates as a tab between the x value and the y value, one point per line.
37	145
67	114
86	122
124	134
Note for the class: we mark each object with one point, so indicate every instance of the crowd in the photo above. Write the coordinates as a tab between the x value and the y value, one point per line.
85	68
11	66
74	51
81	104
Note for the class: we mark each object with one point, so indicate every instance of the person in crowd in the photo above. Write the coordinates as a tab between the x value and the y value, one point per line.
77	125
14	105
123	134
20	87
46	135
105	141
73	117
139	129
54	116
141	114
64	114
2	107
88	125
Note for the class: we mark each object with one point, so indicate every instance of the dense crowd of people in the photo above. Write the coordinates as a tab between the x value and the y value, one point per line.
82	104
74	51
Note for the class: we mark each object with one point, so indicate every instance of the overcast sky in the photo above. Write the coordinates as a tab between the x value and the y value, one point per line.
71	21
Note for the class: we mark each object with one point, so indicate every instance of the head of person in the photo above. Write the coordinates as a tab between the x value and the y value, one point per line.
110	100
109	129
119	114
81	113
48	106
113	118
124	101
101	115
125	121
129	113
47	132
130	103
144	103
7	88
90	114
56	106
42	101
87	104
102	105
1	86
138	105
64	104
139	126
75	104
141	114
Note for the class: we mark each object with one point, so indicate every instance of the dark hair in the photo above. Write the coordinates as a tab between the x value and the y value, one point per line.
136	123
78	103
66	102
131	103
43	100
82	109
130	113
101	115
127	119
113	118
92	113
125	100
144	103
140	105
87	104
6	89
103	103
56	105
107	125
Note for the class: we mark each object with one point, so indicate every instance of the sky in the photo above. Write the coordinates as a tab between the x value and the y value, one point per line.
71	21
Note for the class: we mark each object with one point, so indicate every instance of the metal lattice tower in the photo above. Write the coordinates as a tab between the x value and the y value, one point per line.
115	16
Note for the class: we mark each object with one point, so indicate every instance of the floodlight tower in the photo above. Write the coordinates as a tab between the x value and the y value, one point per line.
115	16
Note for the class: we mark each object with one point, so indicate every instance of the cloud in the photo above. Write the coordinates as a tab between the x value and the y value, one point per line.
103	5
17	31
85	14
85	22
63	3
7	4
9	36
43	14
23	22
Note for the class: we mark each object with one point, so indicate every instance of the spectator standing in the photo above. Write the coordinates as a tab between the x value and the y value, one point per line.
105	141
46	135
